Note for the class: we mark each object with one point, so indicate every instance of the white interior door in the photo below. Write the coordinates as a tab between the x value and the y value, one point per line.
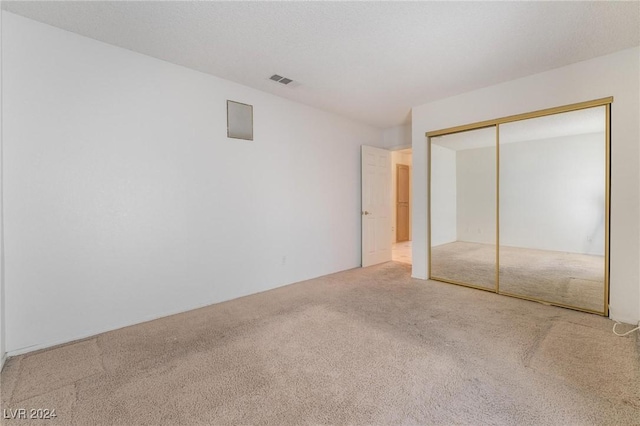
376	205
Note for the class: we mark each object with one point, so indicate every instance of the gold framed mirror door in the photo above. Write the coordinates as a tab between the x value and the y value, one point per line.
520	205
463	241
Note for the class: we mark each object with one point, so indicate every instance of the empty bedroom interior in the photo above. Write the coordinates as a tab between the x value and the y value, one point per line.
158	270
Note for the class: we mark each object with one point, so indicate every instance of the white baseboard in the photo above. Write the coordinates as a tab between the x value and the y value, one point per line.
165	314
52	344
96	332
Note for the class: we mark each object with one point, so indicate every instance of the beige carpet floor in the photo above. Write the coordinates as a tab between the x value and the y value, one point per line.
558	277
365	346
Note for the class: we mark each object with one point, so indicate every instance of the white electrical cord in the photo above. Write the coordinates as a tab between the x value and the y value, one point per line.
623	334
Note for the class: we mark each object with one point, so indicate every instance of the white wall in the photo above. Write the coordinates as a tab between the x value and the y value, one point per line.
476	195
399	157
614	75
443	196
551	194
2	305
125	201
398	136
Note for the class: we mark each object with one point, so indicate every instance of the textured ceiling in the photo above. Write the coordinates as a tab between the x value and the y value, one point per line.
370	61
580	122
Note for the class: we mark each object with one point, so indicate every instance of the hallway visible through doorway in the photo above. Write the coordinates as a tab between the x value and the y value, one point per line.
401	252
401	161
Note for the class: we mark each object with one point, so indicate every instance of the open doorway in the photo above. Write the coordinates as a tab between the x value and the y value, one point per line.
401	167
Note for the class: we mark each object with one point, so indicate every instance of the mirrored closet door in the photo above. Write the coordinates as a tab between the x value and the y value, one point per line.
463	208
552	208
519	205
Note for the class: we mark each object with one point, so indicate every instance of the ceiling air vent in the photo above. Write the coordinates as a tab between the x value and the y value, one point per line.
282	80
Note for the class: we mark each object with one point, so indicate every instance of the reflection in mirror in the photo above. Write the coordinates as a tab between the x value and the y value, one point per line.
552	208
463	208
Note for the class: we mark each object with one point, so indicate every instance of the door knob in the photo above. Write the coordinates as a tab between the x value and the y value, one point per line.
365	213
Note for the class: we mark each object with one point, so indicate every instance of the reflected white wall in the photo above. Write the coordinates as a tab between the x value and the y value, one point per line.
476	195
443	195
552	194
